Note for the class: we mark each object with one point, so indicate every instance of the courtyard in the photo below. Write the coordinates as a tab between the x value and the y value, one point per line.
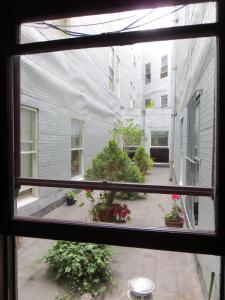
174	274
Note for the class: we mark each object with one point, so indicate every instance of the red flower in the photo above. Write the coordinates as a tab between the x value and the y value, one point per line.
87	190
175	197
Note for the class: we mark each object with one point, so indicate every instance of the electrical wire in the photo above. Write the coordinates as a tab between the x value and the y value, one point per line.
91	24
156	19
128	27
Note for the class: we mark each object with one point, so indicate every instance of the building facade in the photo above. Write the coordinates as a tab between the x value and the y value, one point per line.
192	129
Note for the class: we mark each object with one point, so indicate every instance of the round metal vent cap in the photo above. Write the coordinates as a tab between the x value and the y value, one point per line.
141	286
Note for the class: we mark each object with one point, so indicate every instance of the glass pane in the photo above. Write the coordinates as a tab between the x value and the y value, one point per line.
170	275
76	134
88	114
159	138
26	165
132	209
27	146
28	129
144	19
76	162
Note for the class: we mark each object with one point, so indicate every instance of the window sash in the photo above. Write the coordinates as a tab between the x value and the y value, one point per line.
120	39
164	101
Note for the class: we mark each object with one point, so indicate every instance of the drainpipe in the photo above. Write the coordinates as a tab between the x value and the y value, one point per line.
173	123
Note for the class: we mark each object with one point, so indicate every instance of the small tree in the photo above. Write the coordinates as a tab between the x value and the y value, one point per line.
113	164
131	134
142	160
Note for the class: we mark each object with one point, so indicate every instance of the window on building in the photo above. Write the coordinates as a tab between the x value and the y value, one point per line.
111	69
132	94
164	101
28	161
147	73
149	103
164	66
159	138
205	242
117	76
76	148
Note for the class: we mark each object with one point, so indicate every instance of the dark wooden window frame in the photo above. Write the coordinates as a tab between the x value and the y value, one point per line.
13	14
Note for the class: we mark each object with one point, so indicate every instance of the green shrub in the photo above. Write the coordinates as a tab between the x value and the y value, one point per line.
84	267
131	134
113	164
142	160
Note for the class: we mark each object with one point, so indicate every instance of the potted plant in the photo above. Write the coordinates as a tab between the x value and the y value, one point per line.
174	217
70	198
105	210
112	164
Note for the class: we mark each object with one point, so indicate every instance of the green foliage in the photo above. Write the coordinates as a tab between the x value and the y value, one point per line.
70	194
85	267
113	164
142	160
130	133
149	103
127	196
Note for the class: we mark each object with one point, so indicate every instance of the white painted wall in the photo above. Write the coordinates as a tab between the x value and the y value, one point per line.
194	68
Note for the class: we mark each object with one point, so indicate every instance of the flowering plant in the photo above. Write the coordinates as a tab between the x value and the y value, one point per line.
120	213
176	212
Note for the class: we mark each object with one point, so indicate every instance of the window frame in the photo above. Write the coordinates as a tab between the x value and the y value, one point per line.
162	146
147	74
79	176
167	103
34	190
154	238
164	73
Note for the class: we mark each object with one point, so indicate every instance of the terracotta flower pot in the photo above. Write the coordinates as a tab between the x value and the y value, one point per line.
178	224
105	215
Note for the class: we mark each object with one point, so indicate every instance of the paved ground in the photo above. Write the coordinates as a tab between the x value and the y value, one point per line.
174	274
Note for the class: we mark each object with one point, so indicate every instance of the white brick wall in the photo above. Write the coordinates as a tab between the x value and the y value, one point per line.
195	62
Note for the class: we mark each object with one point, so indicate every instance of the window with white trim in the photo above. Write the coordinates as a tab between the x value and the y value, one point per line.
159	138
28	147
147	73
76	148
111	69
117	76
164	101
164	66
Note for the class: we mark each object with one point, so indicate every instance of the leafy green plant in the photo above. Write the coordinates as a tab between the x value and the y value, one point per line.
131	134
113	164
70	194
176	212
142	160
84	267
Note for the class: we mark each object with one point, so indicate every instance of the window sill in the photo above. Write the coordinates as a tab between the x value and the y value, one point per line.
79	177
26	201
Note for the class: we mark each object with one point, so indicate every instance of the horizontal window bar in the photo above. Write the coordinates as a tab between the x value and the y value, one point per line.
35	11
150	238
114	186
118	39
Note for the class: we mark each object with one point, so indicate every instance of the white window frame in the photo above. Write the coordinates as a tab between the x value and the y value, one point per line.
132	94
164	146
80	149
147	73
111	82
25	189
164	66
117	75
163	97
